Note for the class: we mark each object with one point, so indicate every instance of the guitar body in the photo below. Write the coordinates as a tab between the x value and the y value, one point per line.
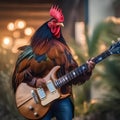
34	103
26	104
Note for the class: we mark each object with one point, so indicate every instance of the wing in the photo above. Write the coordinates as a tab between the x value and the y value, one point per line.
21	65
29	65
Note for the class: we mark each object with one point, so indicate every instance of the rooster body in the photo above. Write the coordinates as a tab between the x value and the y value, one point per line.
47	49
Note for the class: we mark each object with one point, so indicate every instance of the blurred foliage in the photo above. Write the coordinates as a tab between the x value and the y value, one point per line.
107	107
8	109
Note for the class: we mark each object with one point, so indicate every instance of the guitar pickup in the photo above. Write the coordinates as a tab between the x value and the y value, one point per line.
51	86
41	93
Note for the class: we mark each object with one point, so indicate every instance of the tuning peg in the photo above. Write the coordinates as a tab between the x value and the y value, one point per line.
112	41
118	39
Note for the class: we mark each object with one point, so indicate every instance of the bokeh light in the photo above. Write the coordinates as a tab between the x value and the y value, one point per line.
7	42
20	24
29	31
11	26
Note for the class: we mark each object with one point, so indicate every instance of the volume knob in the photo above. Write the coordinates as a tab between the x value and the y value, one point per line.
36	114
31	108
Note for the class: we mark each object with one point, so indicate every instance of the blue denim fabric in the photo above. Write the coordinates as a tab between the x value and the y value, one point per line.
61	109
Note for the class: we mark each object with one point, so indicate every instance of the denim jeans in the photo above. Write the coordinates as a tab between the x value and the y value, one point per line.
61	110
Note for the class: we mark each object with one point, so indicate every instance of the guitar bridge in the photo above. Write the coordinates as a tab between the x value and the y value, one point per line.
35	97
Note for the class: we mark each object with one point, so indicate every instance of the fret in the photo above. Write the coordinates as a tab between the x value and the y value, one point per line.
76	71
102	56
57	83
66	78
63	79
74	74
60	80
71	75
82	69
63	82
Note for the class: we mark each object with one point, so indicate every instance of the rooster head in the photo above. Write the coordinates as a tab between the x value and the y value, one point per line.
57	20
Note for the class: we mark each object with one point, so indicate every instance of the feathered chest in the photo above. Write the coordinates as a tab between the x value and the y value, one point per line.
53	50
51	54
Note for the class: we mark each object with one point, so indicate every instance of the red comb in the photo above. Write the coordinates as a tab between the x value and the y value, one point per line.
56	13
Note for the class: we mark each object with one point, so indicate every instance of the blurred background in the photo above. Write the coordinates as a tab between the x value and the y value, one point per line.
90	28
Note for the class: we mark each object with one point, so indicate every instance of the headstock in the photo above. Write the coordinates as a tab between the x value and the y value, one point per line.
115	48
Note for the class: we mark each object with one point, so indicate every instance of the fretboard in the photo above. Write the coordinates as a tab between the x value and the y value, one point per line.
80	70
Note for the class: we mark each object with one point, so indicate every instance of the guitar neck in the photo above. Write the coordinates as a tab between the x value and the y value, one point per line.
80	70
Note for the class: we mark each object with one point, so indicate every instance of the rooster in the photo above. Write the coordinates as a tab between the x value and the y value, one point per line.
47	49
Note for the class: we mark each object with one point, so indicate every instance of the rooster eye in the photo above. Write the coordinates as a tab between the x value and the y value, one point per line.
52	23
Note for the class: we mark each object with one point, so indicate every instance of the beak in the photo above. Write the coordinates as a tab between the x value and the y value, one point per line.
60	24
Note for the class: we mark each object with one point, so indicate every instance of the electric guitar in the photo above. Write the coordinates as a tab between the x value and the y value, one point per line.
34	103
